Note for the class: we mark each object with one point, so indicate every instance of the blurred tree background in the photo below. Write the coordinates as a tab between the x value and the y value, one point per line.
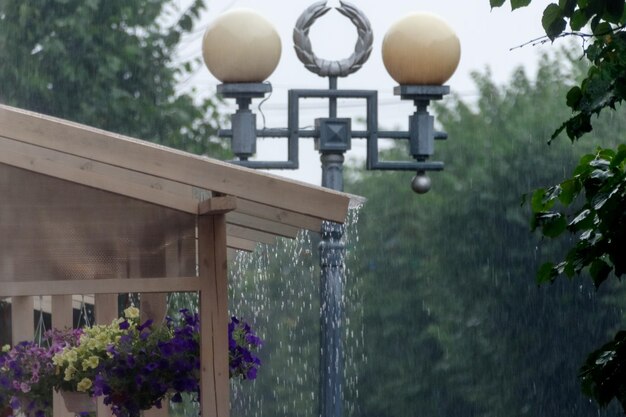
444	317
109	64
442	286
467	329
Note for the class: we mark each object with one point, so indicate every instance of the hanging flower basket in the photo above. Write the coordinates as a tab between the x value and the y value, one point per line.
131	366
78	402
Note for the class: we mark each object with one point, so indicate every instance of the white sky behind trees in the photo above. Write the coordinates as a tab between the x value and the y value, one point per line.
486	40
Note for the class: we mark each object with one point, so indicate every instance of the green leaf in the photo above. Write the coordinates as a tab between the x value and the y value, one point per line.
596	7
541	201
578	20
614	10
553	21
574	95
569	190
567	6
186	23
599	271
554	226
584	220
620	156
593	51
546	273
496	3
595	22
602	29
516	4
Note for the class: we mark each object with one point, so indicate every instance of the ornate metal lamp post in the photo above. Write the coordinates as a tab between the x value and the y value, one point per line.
420	52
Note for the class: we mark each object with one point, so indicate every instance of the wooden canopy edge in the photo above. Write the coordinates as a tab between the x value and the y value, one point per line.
96	175
133	154
217	205
145	187
99	286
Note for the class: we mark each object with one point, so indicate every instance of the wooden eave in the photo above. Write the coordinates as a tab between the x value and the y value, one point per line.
264	206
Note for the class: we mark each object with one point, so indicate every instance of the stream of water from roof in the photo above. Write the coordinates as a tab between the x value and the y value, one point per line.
276	289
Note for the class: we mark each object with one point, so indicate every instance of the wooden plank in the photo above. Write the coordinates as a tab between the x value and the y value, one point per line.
22	319
263	225
217	205
98	175
106	310
278	215
214	384
99	286
250	234
240	244
46	305
154	307
201	172
140	186
220	321
62	318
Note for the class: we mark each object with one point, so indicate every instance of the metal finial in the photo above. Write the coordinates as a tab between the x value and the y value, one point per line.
324	67
421	183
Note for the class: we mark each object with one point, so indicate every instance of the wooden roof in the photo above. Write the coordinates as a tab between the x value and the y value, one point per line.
265	206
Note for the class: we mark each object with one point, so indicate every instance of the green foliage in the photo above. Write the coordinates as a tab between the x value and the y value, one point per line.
454	324
605	48
599	223
440	295
603	373
105	63
591	204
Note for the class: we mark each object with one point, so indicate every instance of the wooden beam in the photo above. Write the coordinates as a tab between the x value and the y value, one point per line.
62	318
217	205
279	215
250	234
261	224
209	174
22	319
98	175
98	286
238	243
105	307
154	307
231	254
214	385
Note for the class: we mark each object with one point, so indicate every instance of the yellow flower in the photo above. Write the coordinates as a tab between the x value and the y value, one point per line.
6	348
92	363
69	373
84	385
71	356
131	312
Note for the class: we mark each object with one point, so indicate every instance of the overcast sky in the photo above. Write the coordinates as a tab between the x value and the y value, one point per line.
486	40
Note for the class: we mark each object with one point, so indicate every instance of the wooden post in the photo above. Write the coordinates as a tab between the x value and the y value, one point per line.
154	306
62	318
214	389
22	319
105	306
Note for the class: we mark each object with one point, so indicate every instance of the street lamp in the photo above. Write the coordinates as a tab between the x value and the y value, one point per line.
420	52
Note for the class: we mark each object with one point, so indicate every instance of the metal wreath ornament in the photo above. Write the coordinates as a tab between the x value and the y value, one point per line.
324	67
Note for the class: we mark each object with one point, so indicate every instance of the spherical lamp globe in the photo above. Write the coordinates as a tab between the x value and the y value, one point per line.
421	49
241	46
